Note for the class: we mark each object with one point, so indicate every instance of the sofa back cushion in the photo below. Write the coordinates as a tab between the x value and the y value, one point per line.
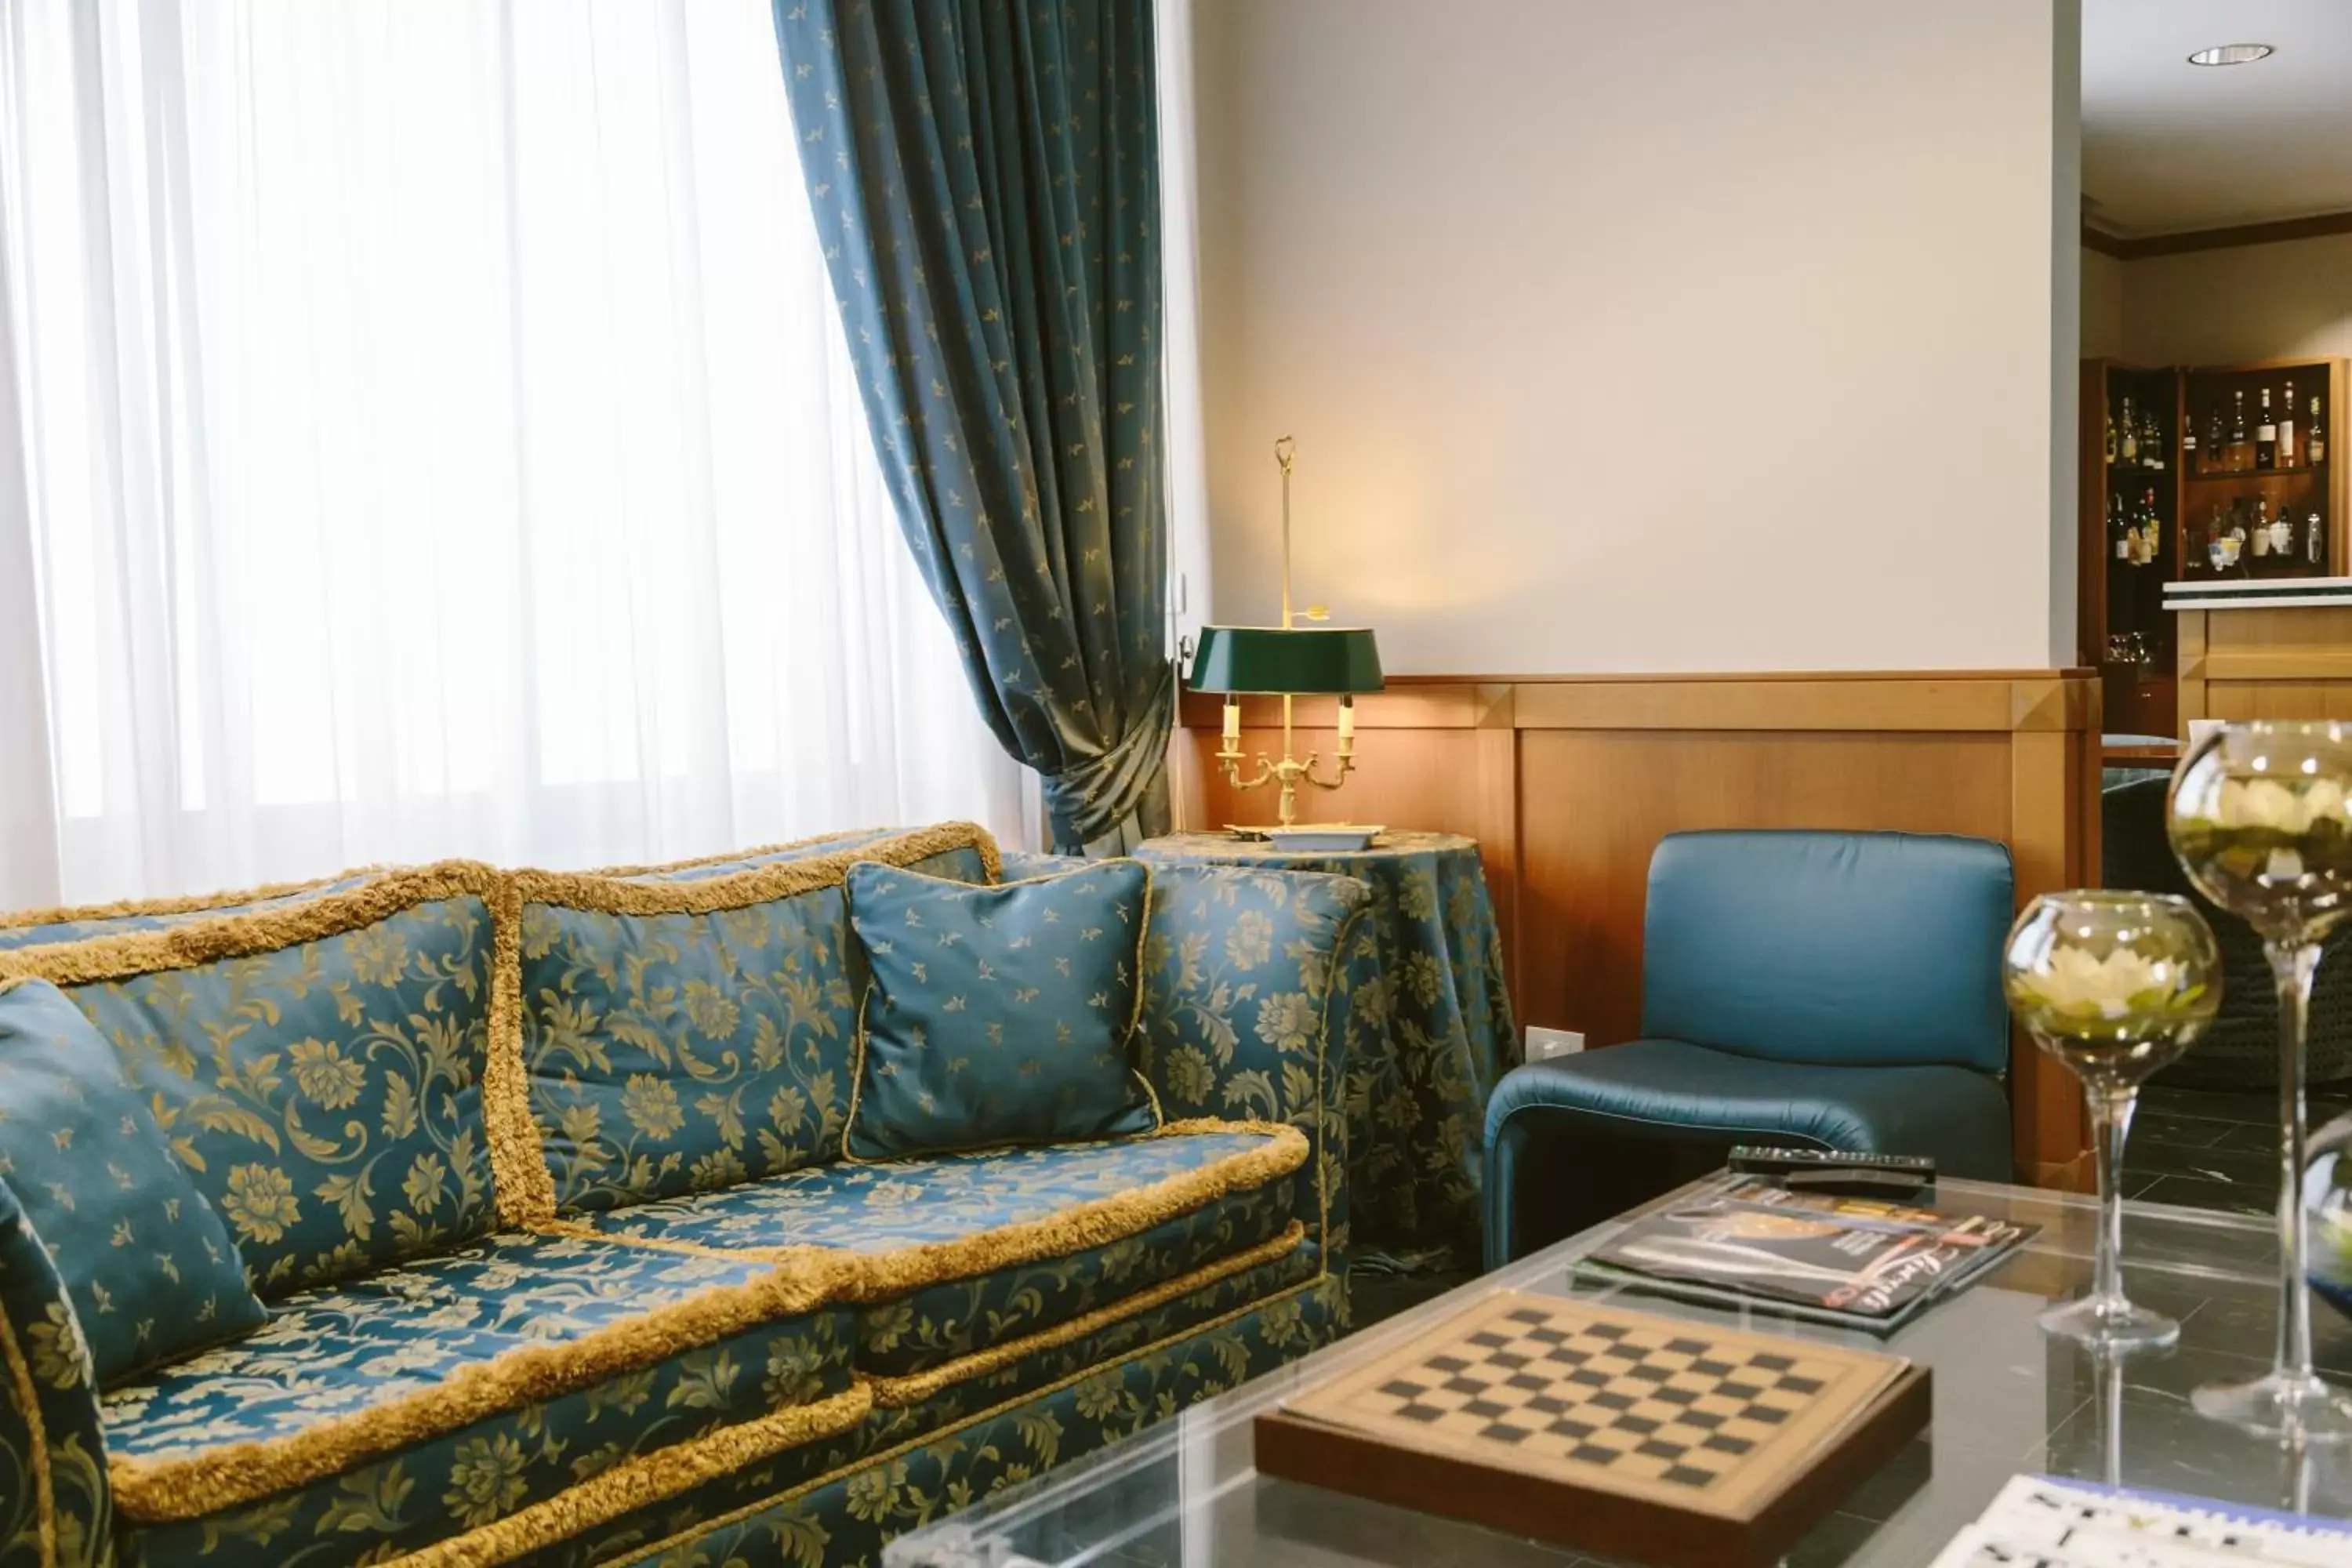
680	1035
318	1067
999	1015
148	1266
35	928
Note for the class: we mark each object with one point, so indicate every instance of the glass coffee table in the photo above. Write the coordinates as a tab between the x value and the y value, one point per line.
2008	1399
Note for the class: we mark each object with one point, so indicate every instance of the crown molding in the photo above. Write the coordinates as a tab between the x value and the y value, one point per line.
2143	246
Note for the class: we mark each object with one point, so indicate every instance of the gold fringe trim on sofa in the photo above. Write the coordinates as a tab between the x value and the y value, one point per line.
644	1481
524	1185
132	954
724	856
28	1394
754	885
696	1531
178	904
192	1485
916	1388
874	1276
689	1464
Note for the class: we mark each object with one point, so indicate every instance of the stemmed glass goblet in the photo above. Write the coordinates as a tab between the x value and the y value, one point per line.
2259	819
2115	985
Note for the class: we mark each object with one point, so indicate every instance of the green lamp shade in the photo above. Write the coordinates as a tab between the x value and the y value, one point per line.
1295	659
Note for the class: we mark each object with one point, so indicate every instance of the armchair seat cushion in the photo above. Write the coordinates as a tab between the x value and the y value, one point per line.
1672	1088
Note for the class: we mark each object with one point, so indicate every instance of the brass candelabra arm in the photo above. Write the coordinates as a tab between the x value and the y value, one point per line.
1345	761
1232	763
1289	772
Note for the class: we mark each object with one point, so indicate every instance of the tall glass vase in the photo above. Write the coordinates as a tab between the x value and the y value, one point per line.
2261	818
2115	985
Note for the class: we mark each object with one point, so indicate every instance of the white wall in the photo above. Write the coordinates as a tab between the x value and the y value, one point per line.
1690	335
2246	302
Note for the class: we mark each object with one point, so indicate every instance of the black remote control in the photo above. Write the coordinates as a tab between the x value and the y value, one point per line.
1839	1171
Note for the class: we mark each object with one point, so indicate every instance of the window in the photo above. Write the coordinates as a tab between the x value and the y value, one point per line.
436	439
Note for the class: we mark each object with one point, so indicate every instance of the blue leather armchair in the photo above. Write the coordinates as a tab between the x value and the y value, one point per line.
1815	989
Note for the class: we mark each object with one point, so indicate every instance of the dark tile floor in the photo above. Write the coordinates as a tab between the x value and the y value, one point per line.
2211	1149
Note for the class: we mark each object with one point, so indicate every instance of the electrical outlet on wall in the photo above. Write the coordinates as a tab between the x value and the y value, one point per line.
1544	1044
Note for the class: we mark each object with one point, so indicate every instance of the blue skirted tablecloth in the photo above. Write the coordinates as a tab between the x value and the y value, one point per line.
1441	1033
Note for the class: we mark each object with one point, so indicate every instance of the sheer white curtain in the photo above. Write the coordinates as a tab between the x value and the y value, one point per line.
425	431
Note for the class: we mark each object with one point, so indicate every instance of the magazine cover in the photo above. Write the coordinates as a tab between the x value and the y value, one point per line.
1856	1258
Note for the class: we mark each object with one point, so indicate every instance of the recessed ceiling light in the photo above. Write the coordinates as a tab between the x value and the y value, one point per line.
2231	54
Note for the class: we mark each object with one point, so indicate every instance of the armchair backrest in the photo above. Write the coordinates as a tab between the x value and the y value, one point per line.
1878	949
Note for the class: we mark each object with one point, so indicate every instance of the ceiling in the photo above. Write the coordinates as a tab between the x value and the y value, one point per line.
2169	147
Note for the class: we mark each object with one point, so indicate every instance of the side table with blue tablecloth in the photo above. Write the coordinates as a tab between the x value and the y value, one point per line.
1438	1036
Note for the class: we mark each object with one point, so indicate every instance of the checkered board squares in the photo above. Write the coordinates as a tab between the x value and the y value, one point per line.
1710	1418
1657	1403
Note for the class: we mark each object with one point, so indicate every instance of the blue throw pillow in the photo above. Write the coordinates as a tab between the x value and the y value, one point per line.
150	1268
997	1016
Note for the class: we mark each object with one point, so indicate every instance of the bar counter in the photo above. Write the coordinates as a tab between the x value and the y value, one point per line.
2256	649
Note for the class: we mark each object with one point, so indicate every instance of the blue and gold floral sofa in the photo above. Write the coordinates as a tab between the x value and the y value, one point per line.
538	1178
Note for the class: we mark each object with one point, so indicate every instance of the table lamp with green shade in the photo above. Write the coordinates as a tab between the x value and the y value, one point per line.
1288	660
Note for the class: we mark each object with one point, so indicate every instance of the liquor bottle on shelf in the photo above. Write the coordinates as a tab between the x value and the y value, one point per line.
2266	435
2111	437
2314	434
2238	458
2188	443
2151	440
2127	447
2118	530
2282	533
2151	529
2315	539
2216	453
2261	539
2286	452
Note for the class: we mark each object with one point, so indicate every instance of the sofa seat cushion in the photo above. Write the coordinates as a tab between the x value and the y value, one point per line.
1672	1088
965	1252
391	1412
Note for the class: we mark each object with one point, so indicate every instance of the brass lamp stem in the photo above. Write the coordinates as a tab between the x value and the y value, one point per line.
1289	771
1284	449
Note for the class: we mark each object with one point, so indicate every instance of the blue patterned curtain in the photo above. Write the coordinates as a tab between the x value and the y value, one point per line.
986	179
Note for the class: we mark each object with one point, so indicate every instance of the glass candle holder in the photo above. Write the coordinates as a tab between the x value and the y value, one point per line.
2328	1213
2115	985
2259	820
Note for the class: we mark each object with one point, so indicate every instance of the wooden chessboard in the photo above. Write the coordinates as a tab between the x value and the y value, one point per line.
1638	1430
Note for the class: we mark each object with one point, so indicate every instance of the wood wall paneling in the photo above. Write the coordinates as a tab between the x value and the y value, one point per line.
1569	782
2290	663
